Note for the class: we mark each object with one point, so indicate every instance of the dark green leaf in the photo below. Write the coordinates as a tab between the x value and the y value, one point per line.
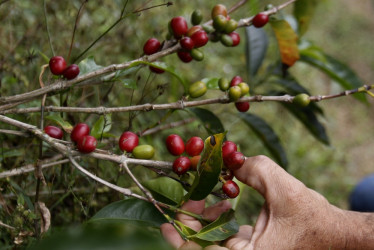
303	11
267	136
60	121
101	126
208	169
287	41
131	210
190	232
166	190
310	121
88	65
209	120
338	71
256	47
220	229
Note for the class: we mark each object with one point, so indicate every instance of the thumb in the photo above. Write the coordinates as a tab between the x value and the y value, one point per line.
268	178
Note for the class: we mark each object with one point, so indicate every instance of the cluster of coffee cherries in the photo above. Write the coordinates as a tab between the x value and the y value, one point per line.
129	142
236	89
80	135
57	65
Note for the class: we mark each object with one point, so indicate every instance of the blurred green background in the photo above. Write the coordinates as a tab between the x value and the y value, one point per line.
344	29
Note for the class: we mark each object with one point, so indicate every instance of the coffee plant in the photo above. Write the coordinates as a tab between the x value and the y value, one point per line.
127	136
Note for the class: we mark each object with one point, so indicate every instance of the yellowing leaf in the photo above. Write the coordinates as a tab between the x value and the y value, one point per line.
287	41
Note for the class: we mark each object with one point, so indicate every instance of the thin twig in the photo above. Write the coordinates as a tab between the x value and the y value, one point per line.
46	24
14	132
166	126
2	224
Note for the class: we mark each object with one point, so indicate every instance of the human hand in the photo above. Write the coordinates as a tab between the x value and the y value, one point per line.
293	215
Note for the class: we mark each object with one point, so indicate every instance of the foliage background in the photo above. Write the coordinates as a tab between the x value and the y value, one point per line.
344	29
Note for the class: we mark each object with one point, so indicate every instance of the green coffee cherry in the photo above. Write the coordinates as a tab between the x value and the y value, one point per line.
235	93
230	26
223	84
208	28
219	22
197	54
301	100
197	89
226	40
196	17
143	152
244	88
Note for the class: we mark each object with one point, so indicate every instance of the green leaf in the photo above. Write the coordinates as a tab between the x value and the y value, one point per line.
267	136
101	126
209	120
309	119
287	41
303	11
256	46
58	119
129	83
166	190
190	232
88	65
208	169
337	70
220	229
11	153
131	210
211	83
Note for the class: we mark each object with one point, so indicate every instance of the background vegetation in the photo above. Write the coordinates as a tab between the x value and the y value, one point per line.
344	29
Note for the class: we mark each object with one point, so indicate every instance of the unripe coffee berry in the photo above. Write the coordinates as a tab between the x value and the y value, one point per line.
175	144
187	43
179	26
181	165
71	72
128	141
242	106
86	144
197	54
244	87
235	93
196	17
235	81
184	56
54	132
301	100
223	84
219	22
234	160
235	38
231	189
228	147
195	161
143	152
200	38
197	89
219	9
226	40
57	65
230	26
151	46
79	131
194	146
260	20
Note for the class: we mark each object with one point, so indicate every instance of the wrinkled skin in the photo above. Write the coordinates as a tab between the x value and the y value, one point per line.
293	216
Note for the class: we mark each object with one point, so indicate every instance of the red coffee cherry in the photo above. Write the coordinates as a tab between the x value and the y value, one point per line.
185	56
57	65
151	46
80	130
228	174
175	144
128	141
187	43
228	147
234	160
194	146
260	20
231	189
235	38
86	144
242	106
193	29
71	72
156	70
235	81
179	26
54	132
200	38
181	165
